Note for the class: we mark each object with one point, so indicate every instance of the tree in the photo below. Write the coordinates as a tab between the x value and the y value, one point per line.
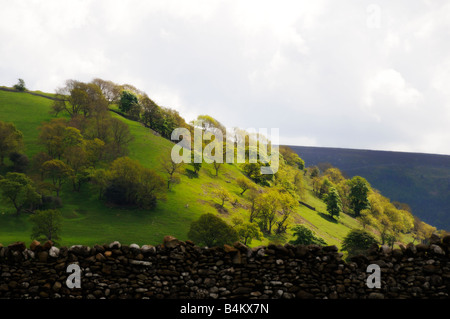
287	206
314	172
150	189
422	231
129	183
253	171
253	195
19	161
267	206
291	157
20	86
111	91
334	175
244	184
210	230
359	190
46	225
99	179
357	242
217	166
170	168
52	135
94	151
79	98
121	137
247	231
223	195
11	140
334	203
304	236
196	166
127	101
324	187
299	185
18	189
59	173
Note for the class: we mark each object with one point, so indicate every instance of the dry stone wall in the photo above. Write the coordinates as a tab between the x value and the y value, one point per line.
180	270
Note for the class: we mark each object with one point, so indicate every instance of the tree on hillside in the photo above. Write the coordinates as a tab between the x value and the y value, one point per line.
210	124
267	206
120	137
287	206
46	225
253	171
217	166
324	187
11	140
247	231
222	194
171	169
359	190
111	91
94	151
151	113
20	86
19	162
129	183
99	178
59	173
129	104
304	236
253	196
18	189
358	242
334	203
334	175
299	185
291	157
314	172
51	136
196	166
244	184
210	230
422	231
79	98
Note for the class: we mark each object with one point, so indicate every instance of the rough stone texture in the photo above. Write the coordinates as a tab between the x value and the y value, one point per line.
177	269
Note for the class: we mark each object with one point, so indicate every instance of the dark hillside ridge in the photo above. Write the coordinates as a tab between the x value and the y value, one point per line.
418	179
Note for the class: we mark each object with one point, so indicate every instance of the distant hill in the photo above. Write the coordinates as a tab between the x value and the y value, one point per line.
420	180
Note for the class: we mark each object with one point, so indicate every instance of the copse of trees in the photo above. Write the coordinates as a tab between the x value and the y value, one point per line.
127	182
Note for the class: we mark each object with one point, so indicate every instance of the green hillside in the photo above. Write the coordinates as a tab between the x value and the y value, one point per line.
88	221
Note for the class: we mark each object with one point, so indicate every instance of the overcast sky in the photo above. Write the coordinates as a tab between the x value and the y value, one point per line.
354	74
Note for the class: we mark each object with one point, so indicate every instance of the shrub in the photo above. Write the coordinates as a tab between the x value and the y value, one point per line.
210	230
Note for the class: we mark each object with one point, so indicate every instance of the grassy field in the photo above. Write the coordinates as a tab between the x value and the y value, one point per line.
88	221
